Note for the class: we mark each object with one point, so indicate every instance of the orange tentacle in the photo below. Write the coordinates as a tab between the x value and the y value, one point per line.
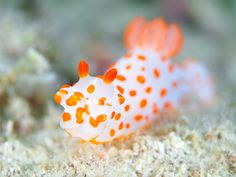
110	75
83	69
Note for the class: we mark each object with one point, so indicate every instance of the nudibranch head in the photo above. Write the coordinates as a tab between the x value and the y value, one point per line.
87	104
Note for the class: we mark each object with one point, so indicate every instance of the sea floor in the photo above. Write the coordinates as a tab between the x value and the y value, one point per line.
200	145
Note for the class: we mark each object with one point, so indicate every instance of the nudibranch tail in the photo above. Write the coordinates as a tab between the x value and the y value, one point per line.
198	81
156	34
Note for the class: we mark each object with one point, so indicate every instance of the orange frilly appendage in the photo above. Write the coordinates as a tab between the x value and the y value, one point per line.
155	34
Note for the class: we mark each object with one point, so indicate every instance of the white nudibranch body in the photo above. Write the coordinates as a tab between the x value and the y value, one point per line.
132	93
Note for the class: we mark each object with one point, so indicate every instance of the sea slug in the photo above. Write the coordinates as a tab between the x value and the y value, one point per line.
140	85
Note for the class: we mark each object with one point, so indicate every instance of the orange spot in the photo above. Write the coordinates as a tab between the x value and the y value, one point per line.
121	99
91	89
120	78
141	79
142	57
93	122
156	73
143	103
58	95
168	105
112	114
155	109
163	92
117	117
112	132
127	107
171	68
79	95
132	93
110	75
127	125
143	68
71	101
66	117
79	121
86	109
101	101
138	117
101	118
79	118
57	98
121	90
174	84
148	89
128	67
121	126
74	99
83	69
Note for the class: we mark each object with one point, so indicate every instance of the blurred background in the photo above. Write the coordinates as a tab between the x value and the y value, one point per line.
41	43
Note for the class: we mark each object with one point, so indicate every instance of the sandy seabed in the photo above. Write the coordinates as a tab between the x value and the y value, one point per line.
199	145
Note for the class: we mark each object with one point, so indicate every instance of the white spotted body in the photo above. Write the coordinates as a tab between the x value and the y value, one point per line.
144	98
132	93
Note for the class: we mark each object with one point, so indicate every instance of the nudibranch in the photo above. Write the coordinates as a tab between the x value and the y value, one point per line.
136	89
